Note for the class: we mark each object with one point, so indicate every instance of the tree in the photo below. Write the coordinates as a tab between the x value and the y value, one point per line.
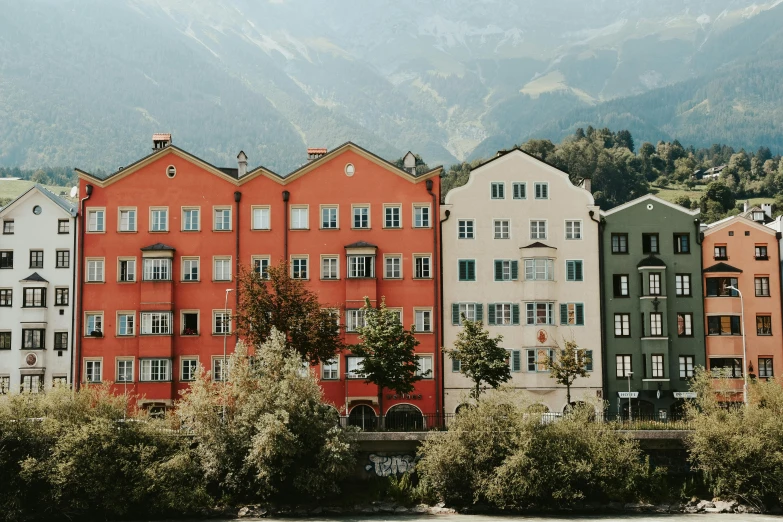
570	363
719	192
287	305
421	167
388	351
481	358
624	139
684	201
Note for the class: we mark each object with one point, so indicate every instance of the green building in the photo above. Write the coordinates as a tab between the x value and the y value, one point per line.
653	311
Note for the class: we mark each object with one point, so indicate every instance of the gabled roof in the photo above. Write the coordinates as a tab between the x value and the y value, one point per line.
539	244
157	247
649	197
67	206
651	261
361	244
722	267
35	277
729	221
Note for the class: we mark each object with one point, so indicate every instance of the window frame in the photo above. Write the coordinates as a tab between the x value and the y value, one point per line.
353	266
617	284
120	261
323	222
160	314
549	311
60	260
469	229
733	320
497	190
577	235
62	296
498	233
99	262
759	284
333	259
96	211
537	235
166	375
657	366
762	328
577	272
424	312
221	209
768	368
126	313
193	372
260	265
687	321
656	324
36	258
40	338
522	192
677	237
623	364
621	249
225	261
153	224
182	324
468	263
118	373
422	207
135	221
38	296
186	221
298	210
63	229
149	269
544	192
393	207
625	324
300	261
680	280
8	227
647	243
186	269
549	268
330	370
422	263
685	365
361	207
96	317
94	362
392	257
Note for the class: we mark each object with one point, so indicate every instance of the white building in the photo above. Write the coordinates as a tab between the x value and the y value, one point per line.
520	252
37	256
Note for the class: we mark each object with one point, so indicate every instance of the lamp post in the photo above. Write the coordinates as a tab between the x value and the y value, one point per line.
225	335
630	409
744	349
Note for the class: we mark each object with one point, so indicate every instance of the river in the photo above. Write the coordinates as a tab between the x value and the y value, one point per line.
591	518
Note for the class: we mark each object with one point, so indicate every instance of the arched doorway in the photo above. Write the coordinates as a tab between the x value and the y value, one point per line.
404	417
363	417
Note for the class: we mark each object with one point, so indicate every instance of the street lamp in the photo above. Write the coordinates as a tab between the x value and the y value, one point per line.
744	350
225	335
630	409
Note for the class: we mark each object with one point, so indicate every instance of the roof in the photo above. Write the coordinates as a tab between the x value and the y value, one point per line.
651	261
538	244
361	244
157	247
731	220
649	197
722	267
64	204
35	277
161	136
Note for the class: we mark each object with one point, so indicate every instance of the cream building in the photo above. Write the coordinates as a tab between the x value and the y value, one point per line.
520	252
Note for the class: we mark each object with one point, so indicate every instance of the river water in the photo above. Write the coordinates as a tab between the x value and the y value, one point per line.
591	518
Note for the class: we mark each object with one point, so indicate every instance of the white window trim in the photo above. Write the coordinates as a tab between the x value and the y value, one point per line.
182	359
492	184
170	369
255	258
135	269
182	217
88	313
215	209
510	227
168	220
117	367
291	217
309	266
398	206
135	323
84	369
141	323
230	312
230	267
474	228
182	321
402	268
430	356
581	229
541	183
253	209
546	229
416	310
414	257
354	206
321	268
565	271
120	210
87	270
337	361
87	212
321	216
415	206
182	269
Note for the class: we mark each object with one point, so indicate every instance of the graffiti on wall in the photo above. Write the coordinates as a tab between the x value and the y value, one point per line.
386	465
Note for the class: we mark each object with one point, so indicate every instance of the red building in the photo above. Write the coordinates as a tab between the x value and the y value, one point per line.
163	239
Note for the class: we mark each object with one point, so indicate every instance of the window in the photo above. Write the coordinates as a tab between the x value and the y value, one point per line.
329	268
572	314
506	270
393	267
723	325
682	284
125	322
765	368
720	253
361	266
6	297
8	226
159	219
157	269
519	190
31	384
574	271
586	357
61	297
573	229
422	267
763	325
657	366
682	243
191	219
542	190
538	229
623	364
361	217
5	340
59	381
656	324
650	244
125	370
190	323
7	259
299	218
726	367
685	324
397	313
502	228
63	226
190	268
620	285
96	221
424	366
354	319
471	311
94	323
535	358
127	220
504	314
34	297
423	320
221	269
221	322
299	268
329	217
222	219
719	287
540	313
92	371
156	323
465	229
622	325
762	286
467	270
421	216
36	258
498	190
33	339
761	252
353	371
126	271
686	366
392	216
217	368
63	259
619	243
155	370
455	365
539	269
188	368
654	284
330	370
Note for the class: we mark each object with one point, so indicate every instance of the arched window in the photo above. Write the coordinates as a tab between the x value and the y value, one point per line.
404	417
363	417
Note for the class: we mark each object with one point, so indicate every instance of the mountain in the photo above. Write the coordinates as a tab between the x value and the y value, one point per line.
86	82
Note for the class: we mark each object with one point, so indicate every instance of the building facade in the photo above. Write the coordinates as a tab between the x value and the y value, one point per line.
742	257
652	291
520	253
37	258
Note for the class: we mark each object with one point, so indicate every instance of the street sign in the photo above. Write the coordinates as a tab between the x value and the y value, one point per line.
684	395
628	395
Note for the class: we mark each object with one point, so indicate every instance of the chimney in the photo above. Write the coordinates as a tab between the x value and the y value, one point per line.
242	163
409	163
160	141
767	208
587	184
314	154
746	206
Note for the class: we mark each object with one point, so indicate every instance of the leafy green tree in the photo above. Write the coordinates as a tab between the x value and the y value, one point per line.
541	149
624	139
684	201
421	167
481	358
388	351
569	363
287	305
720	193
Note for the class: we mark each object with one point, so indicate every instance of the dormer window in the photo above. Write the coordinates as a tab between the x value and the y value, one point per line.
758	216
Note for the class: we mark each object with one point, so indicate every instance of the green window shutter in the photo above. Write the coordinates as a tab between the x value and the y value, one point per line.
479	312
578	270
461	270
498	270
471	270
516	361
570	269
455	318
563	313
455	365
514	314
515	270
491	314
580	314
589	362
